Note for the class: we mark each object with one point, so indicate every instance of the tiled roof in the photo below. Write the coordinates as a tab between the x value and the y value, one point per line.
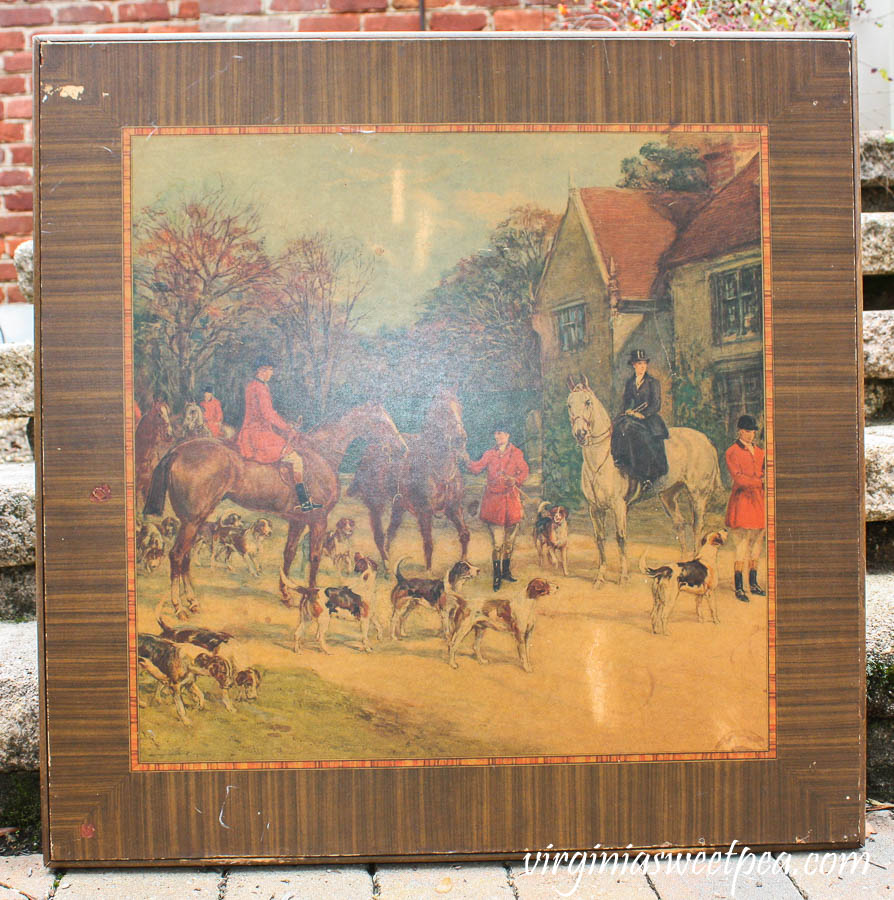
629	230
732	219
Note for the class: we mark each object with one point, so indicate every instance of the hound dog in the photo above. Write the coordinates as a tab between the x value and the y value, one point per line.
551	535
244	541
337	545
695	576
310	609
172	669
149	547
169	528
441	594
211	535
358	598
516	616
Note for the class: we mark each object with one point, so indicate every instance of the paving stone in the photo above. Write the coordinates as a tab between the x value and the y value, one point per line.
19	706
878	243
466	881
305	883
754	876
17	517
877	157
25	876
16	380
878	344
871	877
18	593
618	882
140	884
879	447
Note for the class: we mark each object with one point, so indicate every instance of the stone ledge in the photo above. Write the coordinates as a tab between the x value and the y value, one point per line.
19	706
878	243
17	516
880	645
16	380
879	444
877	158
878	344
18	593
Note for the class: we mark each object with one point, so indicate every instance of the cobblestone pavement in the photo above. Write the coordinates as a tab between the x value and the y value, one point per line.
866	874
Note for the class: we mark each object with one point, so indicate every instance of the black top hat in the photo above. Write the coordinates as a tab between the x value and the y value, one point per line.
637	356
501	426
207	389
746	423
263	362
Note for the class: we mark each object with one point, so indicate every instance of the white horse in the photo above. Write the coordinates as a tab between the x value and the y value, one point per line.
692	464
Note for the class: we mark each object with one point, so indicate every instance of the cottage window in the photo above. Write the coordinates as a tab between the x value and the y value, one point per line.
739	392
571	324
737	304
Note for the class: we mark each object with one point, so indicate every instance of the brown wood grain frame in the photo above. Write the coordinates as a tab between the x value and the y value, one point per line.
809	791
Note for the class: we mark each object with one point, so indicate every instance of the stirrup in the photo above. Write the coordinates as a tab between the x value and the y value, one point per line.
309	506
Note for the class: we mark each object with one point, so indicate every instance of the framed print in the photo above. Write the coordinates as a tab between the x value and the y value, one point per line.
448	458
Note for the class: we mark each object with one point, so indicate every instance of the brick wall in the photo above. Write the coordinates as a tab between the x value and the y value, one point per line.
20	21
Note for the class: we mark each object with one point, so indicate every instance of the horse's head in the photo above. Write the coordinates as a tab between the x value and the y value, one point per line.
163	427
445	418
587	415
193	420
382	425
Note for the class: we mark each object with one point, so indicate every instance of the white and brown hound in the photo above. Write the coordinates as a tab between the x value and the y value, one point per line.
551	535
695	576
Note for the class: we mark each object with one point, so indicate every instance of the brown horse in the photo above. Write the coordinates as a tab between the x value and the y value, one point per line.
152	439
426	482
199	474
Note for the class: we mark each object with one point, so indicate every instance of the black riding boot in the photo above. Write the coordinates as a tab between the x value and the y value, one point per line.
507	575
304	502
740	588
498	572
753	586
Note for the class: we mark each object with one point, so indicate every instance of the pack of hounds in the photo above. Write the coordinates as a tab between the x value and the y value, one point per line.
177	657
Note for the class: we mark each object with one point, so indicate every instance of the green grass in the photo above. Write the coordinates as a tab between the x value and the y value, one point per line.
20	809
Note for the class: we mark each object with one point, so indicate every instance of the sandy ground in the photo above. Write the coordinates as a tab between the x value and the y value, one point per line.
602	682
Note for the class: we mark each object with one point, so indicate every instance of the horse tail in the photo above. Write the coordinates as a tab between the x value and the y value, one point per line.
158	490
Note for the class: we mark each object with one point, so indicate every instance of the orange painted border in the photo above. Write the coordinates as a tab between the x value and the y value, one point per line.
769	416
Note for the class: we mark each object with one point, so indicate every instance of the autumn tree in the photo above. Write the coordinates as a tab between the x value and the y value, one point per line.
320	280
200	263
483	307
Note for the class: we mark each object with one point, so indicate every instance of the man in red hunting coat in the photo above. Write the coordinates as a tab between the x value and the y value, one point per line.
501	507
266	436
212	411
745	513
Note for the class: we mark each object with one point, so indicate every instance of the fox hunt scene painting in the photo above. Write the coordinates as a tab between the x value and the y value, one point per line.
449	445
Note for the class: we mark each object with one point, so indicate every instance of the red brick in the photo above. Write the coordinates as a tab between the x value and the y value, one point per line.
258	23
19	201
121	29
12	131
86	13
8	271
12	40
12	84
489	3
344	22
393	22
23	155
414	4
296	5
17	108
143	12
12	177
182	28
25	15
229	7
17	62
18	224
523	19
357	5
14	295
188	9
12	244
457	21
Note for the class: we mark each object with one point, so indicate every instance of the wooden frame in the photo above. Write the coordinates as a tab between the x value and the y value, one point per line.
103	803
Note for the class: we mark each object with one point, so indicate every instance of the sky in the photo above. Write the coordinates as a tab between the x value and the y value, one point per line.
417	203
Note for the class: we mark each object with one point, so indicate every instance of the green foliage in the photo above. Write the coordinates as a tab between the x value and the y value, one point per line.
694	407
20	809
660	167
562	459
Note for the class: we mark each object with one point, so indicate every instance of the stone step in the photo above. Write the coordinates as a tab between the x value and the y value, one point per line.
878	243
19	707
877	158
879	449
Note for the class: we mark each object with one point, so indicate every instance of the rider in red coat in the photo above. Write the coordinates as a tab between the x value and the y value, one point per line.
266	436
501	507
212	412
745	512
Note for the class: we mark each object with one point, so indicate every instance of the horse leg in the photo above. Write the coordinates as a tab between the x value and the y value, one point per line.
699	505
670	500
428	545
455	515
179	556
317	535
620	511
597	517
296	532
375	520
397	516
